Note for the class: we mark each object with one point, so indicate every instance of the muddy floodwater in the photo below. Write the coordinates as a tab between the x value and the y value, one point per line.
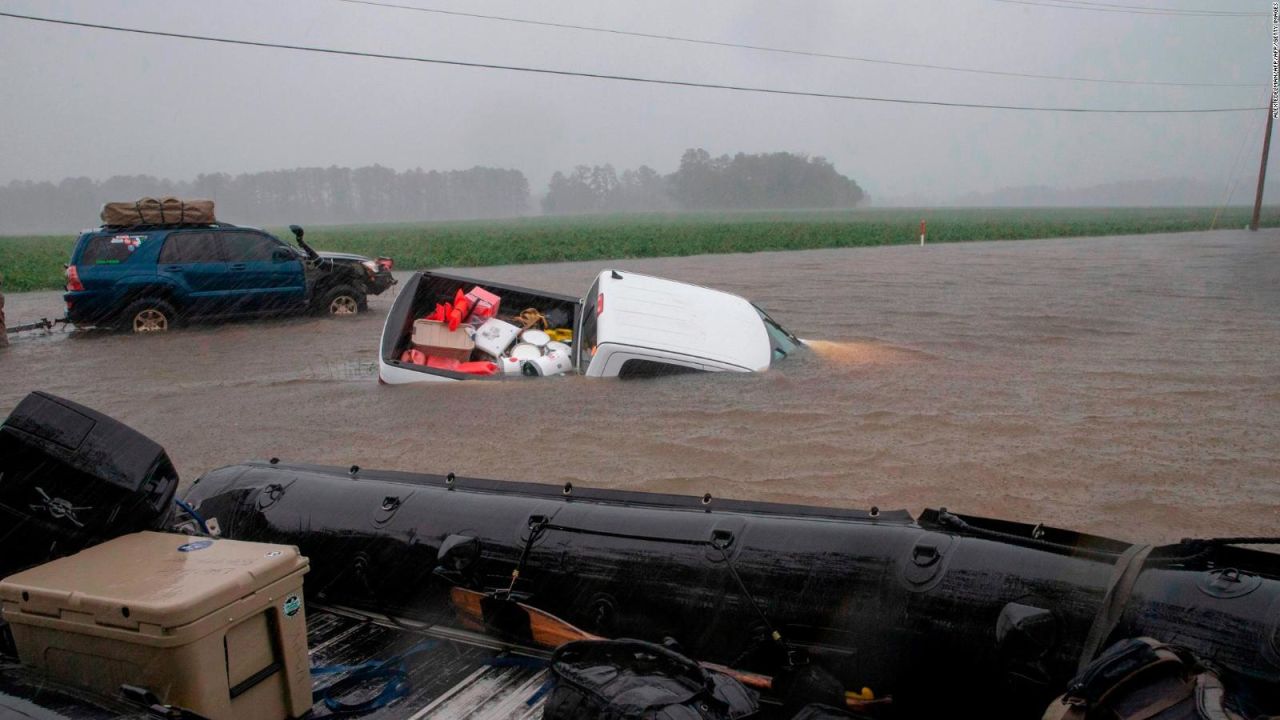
1128	386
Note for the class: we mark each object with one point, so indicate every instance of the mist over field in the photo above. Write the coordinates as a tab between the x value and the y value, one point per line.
280	136
376	194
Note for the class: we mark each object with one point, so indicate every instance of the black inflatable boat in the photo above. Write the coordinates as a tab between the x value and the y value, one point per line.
910	617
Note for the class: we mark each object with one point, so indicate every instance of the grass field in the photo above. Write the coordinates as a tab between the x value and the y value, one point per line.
35	263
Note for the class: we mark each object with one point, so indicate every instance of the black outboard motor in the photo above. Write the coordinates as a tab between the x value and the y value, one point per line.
71	477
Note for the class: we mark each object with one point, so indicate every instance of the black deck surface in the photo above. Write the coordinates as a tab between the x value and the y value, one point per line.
445	678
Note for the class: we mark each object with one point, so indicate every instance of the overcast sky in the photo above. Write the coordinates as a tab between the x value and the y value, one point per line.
88	102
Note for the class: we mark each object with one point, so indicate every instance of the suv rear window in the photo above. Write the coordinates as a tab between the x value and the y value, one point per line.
110	249
248	246
191	247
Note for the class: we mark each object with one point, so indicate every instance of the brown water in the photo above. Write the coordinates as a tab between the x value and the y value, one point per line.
1127	386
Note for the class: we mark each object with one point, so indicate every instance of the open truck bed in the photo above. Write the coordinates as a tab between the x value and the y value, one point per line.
420	295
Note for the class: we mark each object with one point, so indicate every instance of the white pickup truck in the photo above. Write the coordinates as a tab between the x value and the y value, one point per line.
628	325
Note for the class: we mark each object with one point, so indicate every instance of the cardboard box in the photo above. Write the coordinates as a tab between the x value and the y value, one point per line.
434	338
215	626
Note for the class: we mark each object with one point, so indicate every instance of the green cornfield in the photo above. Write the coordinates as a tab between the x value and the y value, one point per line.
33	263
36	263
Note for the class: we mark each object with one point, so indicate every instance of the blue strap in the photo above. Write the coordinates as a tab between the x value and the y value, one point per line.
542	690
397	683
392	669
186	507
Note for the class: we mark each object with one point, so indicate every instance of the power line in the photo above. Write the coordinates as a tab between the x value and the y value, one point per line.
1133	9
785	51
1153	8
626	78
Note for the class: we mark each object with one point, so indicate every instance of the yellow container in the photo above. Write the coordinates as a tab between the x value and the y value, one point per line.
214	626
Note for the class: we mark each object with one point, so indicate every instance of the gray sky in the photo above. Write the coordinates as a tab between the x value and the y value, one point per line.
95	103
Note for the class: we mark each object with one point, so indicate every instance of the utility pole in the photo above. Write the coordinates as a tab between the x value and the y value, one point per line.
1262	171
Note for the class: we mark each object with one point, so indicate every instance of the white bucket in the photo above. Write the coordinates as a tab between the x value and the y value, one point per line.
525	351
549	364
537	338
510	365
556	346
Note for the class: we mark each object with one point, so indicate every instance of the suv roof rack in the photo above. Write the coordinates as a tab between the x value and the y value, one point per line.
165	226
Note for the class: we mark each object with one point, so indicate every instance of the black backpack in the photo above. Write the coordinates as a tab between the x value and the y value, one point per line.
636	680
1143	679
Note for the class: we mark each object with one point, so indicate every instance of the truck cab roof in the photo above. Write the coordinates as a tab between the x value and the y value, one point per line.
705	325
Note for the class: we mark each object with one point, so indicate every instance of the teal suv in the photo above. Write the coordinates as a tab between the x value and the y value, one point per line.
149	278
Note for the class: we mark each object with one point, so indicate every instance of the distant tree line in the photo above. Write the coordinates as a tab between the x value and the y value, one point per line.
338	195
305	195
766	181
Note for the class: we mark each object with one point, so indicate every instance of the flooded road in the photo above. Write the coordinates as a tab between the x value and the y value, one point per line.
1127	386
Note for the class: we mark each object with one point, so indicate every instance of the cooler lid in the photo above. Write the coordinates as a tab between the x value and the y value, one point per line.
155	578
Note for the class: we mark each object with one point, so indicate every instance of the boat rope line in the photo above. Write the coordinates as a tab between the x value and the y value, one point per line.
537	524
547	525
1255	540
632	78
720	541
958	524
721	544
1197	548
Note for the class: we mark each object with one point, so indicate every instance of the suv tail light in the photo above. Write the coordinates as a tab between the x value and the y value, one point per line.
73	279
600	304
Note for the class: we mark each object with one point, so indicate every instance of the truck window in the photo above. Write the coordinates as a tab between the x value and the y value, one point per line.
110	249
635	368
781	342
585	340
248	246
191	247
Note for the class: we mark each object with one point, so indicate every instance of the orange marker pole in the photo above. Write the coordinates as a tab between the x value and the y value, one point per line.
922	233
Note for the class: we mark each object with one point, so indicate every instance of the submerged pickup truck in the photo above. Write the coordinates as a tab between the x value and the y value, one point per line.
627	325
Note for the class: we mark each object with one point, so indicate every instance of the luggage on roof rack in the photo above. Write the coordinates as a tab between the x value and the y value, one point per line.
158	211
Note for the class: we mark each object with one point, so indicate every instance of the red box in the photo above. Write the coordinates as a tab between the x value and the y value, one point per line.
483	303
442	363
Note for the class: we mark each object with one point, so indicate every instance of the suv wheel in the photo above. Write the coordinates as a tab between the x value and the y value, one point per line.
341	301
148	316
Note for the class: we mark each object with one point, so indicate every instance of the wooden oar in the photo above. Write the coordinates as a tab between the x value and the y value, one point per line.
548	631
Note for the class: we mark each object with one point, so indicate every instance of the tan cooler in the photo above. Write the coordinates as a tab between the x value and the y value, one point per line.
214	626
